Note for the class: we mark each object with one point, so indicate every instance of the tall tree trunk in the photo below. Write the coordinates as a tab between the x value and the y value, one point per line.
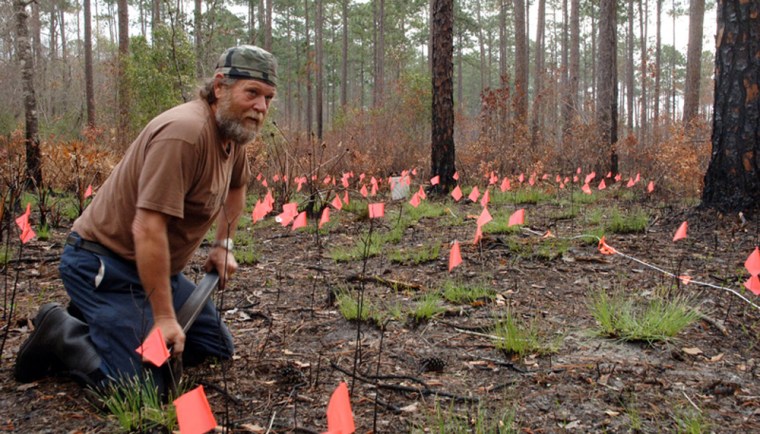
657	73
571	99
262	23
732	181
123	84
539	74
442	156
379	88
607	91
460	64
643	13
309	66
482	47
565	65
268	27
252	22
319	65
88	73
26	61
155	18
521	63
629	70
502	42
694	61
198	40
344	59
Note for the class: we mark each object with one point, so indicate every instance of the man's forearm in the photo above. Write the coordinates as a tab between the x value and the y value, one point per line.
153	261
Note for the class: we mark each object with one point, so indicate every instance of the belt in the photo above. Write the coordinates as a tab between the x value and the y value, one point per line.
91	246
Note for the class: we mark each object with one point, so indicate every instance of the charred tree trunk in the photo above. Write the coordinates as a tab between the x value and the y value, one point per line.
442	155
88	72
732	181
607	90
25	58
693	61
521	63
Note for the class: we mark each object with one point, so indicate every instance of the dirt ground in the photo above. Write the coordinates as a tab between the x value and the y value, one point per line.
294	347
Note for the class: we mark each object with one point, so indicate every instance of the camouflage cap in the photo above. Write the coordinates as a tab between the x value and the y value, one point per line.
248	61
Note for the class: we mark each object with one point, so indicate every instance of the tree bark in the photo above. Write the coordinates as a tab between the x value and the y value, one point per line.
629	70
521	63
309	66
571	97
88	72
643	13
657	73
693	61
26	61
319	65
607	91
379	88
538	75
732	181
198	40
123	85
344	60
268	26
442	147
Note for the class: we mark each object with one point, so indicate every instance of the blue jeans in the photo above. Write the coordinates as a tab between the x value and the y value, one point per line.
110	296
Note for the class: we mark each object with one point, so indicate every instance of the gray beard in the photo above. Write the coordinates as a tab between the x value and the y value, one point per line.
230	128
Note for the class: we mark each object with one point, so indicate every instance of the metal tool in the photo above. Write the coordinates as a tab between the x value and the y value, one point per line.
197	300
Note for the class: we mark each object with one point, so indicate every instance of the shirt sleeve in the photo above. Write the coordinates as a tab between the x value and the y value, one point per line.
166	176
240	171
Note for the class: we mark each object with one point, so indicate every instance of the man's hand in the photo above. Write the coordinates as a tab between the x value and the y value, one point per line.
223	261
173	334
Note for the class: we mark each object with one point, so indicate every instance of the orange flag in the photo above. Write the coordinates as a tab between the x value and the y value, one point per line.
752	264
521	178
415	200
517	217
486	198
478	235
376	210
345	198
421	193
753	284
336	203
455	256
474	194
484	217
505	185
630	183
586	189
364	191
88	192
602	185
153	349
456	176
590	177
194	413
325	217
456	193
681	232
435	180
650	187
340	419
27	233
685	279
300	220
605	248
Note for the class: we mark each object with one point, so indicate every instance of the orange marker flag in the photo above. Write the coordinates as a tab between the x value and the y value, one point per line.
618	177
486	198
681	232
153	348
373	192
325	217
300	221
455	255
340	419
415	200
752	264
578	170
435	180
753	284
505	185
456	176
421	193
602	185
336	203
265	183
605	248
456	193
474	194
484	217
493	180
259	211
650	187
521	178
685	279
630	183
478	235
327	180
376	210
345	198
364	191
517	217
532	179
590	177
88	192
276	177
609	175
586	189
194	413
27	233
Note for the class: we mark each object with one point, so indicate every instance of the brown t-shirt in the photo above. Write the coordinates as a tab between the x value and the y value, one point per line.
178	166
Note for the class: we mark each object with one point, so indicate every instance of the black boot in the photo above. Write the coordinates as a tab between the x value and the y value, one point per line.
58	338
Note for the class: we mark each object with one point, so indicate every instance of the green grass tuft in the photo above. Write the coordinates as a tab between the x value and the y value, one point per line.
514	337
416	256
428	306
635	221
463	293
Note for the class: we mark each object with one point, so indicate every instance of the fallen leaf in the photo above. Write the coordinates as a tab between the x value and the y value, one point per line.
612	413
692	351
411	408
252	428
717	358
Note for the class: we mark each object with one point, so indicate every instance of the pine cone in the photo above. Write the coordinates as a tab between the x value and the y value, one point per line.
289	374
432	364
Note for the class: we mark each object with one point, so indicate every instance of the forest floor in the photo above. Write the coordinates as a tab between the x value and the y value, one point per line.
294	346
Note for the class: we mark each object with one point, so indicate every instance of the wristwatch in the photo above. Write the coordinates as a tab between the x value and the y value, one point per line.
226	243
